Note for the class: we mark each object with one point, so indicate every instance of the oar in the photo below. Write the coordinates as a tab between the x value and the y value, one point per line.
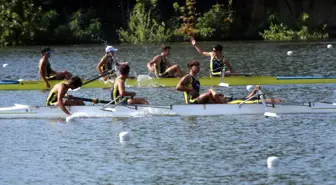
93	79
222	84
267	114
93	100
98	76
259	93
235	74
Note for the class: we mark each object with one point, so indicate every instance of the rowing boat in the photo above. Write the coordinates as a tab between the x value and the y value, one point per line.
25	111
145	81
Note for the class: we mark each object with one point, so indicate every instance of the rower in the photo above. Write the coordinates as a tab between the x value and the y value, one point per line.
45	71
59	91
217	60
118	89
161	67
190	86
255	90
109	62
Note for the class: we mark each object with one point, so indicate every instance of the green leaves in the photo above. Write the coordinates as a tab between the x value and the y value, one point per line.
142	27
278	31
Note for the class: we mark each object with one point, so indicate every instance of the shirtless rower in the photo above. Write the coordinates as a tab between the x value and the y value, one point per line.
161	67
59	91
217	59
45	71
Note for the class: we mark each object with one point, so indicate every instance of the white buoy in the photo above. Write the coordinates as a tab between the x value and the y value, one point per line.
4	65
289	53
329	46
250	87
273	162
124	136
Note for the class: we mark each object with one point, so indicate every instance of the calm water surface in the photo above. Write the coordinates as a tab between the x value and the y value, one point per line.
172	150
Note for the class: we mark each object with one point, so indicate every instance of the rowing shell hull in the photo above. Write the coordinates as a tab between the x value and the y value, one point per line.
145	81
23	111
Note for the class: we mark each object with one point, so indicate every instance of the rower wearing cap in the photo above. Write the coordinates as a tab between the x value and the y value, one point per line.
190	86
109	62
59	91
217	60
118	89
161	67
45	71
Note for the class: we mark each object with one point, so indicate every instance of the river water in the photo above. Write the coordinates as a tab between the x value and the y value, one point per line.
172	150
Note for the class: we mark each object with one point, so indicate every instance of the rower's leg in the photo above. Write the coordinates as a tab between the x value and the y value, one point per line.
137	101
272	100
205	98
63	75
216	97
175	69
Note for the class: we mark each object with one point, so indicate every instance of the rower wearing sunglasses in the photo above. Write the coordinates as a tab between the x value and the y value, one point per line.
217	60
46	72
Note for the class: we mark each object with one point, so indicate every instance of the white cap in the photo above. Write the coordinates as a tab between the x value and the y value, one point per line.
250	87
110	49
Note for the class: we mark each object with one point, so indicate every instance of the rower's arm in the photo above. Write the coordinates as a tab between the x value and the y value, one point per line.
255	90
182	85
42	72
152	62
60	100
229	66
199	50
122	91
100	64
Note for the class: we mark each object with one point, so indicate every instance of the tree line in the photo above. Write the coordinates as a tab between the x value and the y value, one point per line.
31	22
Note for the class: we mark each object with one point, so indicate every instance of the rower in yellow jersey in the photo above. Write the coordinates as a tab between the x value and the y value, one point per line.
161	67
59	91
45	71
119	92
109	62
190	86
217	60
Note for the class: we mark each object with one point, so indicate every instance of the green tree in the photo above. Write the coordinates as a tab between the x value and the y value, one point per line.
187	15
20	20
84	25
278	31
142	27
216	22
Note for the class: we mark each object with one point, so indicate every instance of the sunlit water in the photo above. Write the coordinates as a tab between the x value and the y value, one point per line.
172	150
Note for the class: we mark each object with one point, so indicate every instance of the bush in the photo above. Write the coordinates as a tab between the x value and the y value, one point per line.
278	31
216	23
21	21
83	26
142	27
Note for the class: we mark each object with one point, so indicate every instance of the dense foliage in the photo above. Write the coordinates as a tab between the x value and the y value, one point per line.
142	27
278	31
25	22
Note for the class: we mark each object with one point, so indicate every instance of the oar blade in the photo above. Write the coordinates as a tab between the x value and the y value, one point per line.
76	115
223	85
270	114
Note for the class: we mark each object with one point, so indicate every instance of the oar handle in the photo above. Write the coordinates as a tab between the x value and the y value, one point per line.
93	100
97	77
